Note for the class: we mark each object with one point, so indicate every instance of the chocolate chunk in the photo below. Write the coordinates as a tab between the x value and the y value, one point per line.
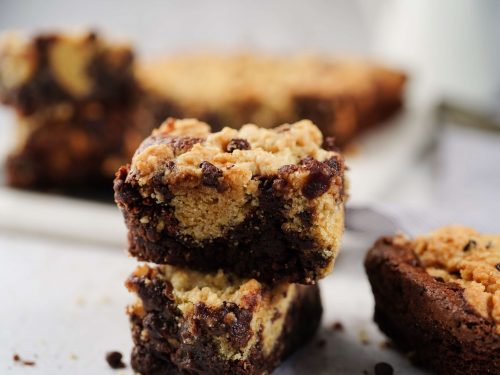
497	266
210	174
318	181
383	368
237	144
470	245
114	360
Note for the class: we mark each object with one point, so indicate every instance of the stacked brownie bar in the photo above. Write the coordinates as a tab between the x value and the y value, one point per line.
241	225
439	296
75	97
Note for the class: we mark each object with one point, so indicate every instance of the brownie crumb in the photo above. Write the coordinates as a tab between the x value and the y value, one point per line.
210	174
337	326
237	144
470	245
386	344
114	360
383	368
17	358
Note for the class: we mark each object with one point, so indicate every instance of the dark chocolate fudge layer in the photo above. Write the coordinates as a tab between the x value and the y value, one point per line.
262	203
439	296
187	322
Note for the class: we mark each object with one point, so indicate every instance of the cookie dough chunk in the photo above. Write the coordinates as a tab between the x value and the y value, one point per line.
54	68
342	97
439	295
262	203
188	322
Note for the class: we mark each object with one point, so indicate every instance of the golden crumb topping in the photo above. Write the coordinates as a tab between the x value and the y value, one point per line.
463	256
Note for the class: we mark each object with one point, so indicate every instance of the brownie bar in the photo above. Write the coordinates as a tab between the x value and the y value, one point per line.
343	98
439	296
185	322
78	113
262	203
54	68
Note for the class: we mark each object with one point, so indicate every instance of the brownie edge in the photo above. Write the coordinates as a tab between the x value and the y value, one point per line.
427	315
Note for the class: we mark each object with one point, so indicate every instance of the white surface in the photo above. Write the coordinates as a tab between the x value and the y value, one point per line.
63	300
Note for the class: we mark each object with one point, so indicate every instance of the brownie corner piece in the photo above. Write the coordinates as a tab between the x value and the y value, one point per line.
215	323
262	203
55	67
438	295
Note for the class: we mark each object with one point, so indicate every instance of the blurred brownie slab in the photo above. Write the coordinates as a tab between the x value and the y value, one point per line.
262	203
78	117
186	322
342	98
53	68
439	295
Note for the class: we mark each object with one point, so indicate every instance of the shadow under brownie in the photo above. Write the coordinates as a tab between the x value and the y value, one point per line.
439	296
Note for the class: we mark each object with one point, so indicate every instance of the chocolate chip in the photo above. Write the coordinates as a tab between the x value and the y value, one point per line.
114	360
383	368
318	181
210	174
497	266
237	144
329	144
470	245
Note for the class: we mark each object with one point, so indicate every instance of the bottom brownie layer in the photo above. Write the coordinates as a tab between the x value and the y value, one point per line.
429	316
187	322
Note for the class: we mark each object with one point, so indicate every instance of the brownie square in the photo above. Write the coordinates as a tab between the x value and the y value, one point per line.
439	297
216	323
262	203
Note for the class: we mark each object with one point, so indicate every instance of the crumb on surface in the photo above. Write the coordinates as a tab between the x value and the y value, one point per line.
17	358
321	343
114	360
337	326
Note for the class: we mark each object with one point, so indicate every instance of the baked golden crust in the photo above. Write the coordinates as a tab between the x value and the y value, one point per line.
463	256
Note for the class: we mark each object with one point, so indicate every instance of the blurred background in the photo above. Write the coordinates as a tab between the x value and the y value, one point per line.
436	164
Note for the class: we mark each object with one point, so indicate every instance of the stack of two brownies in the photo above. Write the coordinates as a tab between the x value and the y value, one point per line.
240	225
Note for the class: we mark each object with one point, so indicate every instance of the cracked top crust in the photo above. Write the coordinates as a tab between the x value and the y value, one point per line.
461	255
236	154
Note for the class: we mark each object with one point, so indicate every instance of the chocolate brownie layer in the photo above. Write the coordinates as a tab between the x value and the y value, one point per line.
55	68
188	322
438	295
342	97
263	203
